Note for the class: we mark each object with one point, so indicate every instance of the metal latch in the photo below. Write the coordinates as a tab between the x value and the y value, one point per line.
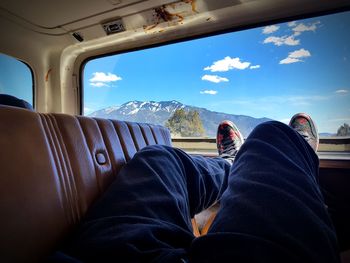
114	26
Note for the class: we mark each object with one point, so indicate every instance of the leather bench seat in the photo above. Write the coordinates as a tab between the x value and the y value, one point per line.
53	167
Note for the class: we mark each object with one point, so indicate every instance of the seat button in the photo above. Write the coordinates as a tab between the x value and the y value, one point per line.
100	158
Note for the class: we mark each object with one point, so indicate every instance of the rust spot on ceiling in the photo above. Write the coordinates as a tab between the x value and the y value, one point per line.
47	75
162	14
165	15
193	4
151	26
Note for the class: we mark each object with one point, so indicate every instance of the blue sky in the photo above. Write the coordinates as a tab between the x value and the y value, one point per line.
274	71
15	78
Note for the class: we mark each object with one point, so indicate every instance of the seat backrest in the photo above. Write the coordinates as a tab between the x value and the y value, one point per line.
13	101
53	167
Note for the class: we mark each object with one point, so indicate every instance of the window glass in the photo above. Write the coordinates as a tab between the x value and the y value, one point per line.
16	78
248	77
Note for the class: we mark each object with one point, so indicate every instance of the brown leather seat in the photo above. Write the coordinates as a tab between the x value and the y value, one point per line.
53	167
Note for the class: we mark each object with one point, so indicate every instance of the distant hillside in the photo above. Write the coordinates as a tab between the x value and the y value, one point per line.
327	134
159	113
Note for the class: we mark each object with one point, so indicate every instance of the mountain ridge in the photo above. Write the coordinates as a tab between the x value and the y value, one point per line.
159	112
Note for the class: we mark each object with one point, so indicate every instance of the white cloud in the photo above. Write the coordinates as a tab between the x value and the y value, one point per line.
289	60
296	56
301	53
103	77
303	28
100	79
270	29
342	91
210	92
227	64
293	23
214	78
285	40
254	67
291	41
98	84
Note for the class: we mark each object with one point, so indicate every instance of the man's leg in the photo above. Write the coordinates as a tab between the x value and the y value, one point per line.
272	210
146	213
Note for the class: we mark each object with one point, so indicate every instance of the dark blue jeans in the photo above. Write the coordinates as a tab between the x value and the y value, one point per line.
271	208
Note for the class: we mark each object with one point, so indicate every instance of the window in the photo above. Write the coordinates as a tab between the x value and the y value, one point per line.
249	77
16	78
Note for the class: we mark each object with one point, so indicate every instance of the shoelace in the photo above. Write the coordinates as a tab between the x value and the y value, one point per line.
304	134
229	148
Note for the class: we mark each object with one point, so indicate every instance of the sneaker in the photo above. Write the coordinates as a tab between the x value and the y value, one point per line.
228	140
305	126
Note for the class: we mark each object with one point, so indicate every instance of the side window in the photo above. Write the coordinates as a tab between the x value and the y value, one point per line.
248	77
16	78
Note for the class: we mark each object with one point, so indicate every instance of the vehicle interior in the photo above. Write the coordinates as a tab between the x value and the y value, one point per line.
57	157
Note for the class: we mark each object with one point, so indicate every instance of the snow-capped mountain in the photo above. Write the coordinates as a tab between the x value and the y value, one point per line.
160	112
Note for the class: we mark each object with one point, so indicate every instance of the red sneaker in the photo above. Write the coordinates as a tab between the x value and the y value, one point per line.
228	140
305	126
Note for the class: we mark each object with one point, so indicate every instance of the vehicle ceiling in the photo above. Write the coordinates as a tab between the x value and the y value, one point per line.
186	17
